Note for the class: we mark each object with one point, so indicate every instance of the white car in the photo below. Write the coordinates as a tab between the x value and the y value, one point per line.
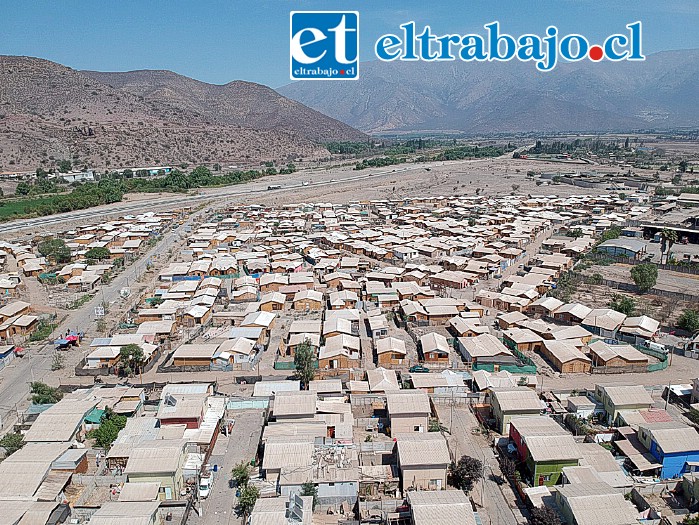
205	486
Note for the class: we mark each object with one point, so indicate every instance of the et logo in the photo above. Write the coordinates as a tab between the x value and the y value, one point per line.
324	45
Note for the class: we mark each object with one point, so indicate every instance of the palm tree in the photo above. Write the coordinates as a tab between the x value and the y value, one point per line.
668	238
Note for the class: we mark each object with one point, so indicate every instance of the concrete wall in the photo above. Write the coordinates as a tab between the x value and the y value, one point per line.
407	424
424	477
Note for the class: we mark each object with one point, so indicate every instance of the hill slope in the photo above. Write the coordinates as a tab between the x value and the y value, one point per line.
512	96
50	112
237	103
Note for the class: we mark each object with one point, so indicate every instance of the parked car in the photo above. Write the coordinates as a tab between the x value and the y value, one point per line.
418	369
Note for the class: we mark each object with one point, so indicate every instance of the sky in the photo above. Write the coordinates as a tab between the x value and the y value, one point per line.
218	41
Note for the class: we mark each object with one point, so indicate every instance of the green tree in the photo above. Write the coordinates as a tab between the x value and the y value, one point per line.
623	304
309	489
304	359
508	468
12	442
466	472
611	233
668	237
131	359
55	249
241	474
23	188
97	253
689	321
682	166
43	394
246	500
645	276
544	516
110	425
575	233
64	166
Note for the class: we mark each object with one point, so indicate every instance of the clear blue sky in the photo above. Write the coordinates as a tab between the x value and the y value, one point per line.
222	40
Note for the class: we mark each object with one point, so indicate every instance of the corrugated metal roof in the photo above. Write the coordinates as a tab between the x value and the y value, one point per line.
442	507
408	402
424	448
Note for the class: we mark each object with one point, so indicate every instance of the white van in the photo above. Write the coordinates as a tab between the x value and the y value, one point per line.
656	346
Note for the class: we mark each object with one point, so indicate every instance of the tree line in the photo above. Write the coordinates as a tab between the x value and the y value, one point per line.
113	186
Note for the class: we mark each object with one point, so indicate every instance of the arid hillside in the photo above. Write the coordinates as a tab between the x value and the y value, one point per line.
49	112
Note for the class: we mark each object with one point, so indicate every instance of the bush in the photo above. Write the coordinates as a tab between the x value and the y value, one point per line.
623	304
689	321
241	474
645	276
246	500
109	428
43	394
466	472
12	442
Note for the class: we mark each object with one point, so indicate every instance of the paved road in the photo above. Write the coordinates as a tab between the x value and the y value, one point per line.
36	366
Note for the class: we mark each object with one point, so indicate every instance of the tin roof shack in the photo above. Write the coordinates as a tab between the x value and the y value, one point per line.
127	513
423	460
522	339
408	411
22	473
332	468
623	247
181	409
435	348
382	380
294	405
158	461
622	356
603	322
675	446
565	357
638	330
507	404
327	388
390	351
446	507
593	504
545	447
341	352
294	510
140	491
485	349
64	421
194	354
615	398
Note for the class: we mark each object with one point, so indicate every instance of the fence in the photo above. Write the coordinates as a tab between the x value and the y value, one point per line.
247	404
680	268
289	365
513	369
628	287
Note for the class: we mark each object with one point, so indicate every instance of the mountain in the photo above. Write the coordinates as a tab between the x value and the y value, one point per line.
49	112
493	97
237	103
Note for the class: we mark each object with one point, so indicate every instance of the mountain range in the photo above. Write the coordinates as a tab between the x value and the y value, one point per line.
503	97
49	112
